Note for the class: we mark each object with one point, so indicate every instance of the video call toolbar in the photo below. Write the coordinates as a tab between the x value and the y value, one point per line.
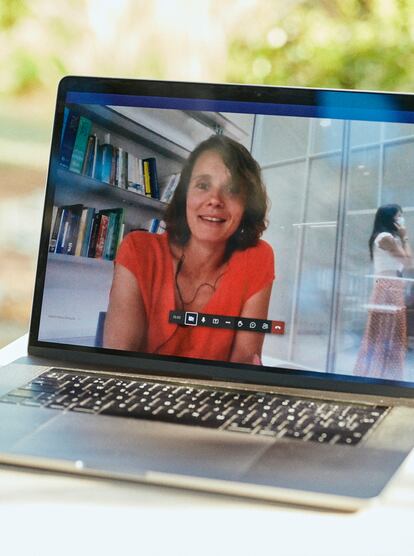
188	318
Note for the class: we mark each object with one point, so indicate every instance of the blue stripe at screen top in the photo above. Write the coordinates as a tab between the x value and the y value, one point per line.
330	104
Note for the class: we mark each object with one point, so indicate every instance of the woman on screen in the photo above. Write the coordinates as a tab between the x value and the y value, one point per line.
384	344
210	260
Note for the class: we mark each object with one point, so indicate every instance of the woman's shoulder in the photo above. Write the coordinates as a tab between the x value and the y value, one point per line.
387	236
259	256
142	245
262	250
254	268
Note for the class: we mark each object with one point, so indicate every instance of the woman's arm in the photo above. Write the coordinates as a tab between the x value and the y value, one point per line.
247	346
402	252
125	322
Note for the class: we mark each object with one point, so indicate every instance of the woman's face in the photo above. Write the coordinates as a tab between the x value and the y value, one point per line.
214	208
399	219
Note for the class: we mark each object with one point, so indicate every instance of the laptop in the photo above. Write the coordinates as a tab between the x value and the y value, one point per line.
215	307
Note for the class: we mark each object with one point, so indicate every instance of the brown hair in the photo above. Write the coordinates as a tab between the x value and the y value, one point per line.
247	178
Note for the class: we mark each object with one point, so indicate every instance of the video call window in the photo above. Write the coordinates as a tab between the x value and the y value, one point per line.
319	296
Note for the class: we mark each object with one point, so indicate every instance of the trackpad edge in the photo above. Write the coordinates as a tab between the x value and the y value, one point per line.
133	447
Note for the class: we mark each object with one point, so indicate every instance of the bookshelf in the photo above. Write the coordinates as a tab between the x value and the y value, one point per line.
72	186
63	260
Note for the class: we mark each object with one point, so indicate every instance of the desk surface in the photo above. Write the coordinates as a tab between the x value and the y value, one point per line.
47	513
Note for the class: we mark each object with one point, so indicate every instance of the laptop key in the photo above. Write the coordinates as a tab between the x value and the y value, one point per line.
238	428
30	402
21	393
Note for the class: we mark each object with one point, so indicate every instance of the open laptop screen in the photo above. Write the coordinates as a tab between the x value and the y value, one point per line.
255	233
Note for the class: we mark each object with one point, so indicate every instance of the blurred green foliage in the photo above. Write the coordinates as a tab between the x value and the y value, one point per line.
11	11
366	44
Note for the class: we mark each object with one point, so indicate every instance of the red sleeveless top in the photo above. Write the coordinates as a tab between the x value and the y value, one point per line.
149	258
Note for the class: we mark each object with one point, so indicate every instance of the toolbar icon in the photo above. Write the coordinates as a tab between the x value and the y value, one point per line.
278	327
191	319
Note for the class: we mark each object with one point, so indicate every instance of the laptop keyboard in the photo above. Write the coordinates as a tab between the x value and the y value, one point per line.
267	414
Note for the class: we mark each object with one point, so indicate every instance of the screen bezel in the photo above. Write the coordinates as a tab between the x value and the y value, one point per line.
374	106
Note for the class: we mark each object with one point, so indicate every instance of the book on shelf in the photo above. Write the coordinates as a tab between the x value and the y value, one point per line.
109	235
136	188
89	160
116	156
106	153
121	168
67	230
153	226
161	227
80	145
156	226
66	113
114	233
68	138
75	213
81	232
170	188
147	182
131	170
101	236
135	177
54	227
151	177
94	234
90	214
61	231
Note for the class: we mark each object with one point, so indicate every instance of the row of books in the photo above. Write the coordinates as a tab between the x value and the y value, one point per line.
86	231
82	153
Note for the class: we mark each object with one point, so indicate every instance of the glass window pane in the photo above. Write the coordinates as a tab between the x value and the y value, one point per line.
327	135
398	174
315	297
393	130
363	179
318	255
365	133
285	186
323	189
355	290
279	138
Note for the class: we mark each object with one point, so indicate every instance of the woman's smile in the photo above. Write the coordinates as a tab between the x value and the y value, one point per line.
212	219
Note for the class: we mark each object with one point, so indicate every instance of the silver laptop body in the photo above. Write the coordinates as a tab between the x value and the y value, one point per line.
329	160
